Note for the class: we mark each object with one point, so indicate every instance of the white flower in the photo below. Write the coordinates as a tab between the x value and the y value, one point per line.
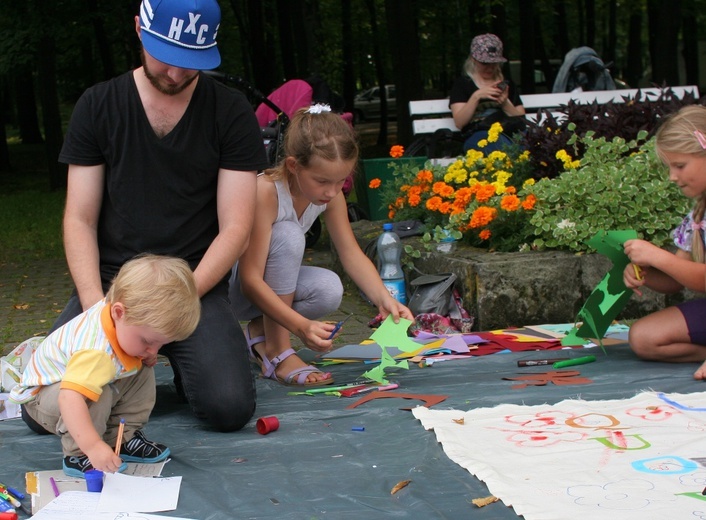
319	108
564	224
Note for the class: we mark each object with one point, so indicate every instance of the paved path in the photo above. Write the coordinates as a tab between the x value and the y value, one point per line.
33	293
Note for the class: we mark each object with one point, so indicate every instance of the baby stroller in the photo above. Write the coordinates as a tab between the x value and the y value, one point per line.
273	114
583	70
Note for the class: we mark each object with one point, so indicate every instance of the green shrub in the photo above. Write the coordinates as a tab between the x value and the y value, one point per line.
619	185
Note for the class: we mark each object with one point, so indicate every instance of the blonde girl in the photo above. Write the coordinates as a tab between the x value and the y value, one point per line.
269	287
676	334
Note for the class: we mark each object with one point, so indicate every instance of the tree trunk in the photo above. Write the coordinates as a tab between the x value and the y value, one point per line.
591	23
287	45
612	40
527	48
102	43
561	28
633	71
27	119
5	165
379	71
664	21
347	54
690	33
403	35
50	112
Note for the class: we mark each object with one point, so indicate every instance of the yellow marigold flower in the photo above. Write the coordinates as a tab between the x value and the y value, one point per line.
575	164
497	155
473	156
528	182
397	151
425	176
374	183
494	132
524	156
529	202
510	202
482	143
482	216
433	203
485	234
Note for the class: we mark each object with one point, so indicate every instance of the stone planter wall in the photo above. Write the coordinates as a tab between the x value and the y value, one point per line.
516	289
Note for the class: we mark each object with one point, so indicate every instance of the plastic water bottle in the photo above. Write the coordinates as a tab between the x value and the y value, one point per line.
389	249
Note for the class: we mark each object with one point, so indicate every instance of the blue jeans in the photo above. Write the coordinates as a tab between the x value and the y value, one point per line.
211	367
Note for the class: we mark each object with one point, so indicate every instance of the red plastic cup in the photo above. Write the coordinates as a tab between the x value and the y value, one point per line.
266	425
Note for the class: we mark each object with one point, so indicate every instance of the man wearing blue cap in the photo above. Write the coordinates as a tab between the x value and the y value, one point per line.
163	159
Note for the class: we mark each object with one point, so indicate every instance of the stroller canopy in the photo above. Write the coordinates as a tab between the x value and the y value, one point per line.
583	70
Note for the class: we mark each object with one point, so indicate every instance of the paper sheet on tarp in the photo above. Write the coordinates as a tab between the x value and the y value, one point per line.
618	459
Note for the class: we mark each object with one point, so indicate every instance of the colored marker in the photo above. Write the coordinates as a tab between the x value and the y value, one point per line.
576	361
338	326
54	487
325	389
638	272
5	506
355	391
538	362
8	515
12	500
14	492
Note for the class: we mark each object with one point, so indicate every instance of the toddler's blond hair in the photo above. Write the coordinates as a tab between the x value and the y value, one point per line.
158	292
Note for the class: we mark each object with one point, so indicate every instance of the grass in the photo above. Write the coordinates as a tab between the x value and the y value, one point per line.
30	214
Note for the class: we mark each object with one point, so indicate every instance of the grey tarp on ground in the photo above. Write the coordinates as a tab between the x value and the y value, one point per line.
315	466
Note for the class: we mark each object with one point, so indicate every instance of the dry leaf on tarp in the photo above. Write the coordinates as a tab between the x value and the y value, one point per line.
400	485
482	502
459	421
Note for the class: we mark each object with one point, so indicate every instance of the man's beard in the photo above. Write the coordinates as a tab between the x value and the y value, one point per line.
169	90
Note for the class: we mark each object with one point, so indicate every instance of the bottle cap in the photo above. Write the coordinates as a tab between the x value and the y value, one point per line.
387	226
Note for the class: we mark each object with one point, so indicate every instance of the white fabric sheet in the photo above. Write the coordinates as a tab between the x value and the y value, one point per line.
639	458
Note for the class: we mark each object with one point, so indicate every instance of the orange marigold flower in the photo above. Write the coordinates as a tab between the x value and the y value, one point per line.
391	214
510	202
425	176
485	193
529	202
414	200
510	190
445	207
414	191
399	202
434	203
482	216
485	234
397	151
464	196
438	186
374	183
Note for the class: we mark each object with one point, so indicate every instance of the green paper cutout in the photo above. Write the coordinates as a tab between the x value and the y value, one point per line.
572	340
391	334
610	296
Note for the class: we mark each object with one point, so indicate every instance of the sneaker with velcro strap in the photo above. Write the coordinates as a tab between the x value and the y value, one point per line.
140	449
77	465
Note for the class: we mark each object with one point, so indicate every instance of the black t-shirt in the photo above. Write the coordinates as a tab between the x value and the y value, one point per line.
160	193
464	87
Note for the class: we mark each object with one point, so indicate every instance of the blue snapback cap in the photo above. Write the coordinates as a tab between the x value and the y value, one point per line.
181	33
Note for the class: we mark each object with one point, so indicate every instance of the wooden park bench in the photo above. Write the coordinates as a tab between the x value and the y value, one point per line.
433	116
